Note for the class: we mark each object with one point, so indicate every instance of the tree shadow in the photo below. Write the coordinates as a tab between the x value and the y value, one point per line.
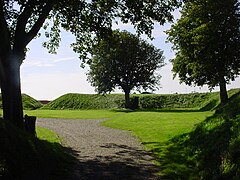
24	157
159	110
126	163
208	152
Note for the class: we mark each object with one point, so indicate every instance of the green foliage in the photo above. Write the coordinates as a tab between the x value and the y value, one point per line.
126	61
28	102
25	157
21	21
207	43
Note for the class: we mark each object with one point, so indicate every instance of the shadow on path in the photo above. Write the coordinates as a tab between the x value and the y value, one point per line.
128	163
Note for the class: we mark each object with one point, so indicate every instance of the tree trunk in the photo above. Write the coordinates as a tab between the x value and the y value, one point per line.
11	90
223	91
127	99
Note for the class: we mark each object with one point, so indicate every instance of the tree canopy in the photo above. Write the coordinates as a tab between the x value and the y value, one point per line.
207	43
124	61
21	20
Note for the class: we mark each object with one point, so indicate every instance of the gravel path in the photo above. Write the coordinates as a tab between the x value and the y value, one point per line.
102	152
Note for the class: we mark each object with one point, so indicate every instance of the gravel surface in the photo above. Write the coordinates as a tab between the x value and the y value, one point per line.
102	152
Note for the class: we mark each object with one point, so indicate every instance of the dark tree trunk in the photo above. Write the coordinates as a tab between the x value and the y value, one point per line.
223	91
127	99
11	90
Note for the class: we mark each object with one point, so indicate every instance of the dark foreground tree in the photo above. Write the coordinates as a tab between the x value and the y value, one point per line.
21	20
124	61
207	43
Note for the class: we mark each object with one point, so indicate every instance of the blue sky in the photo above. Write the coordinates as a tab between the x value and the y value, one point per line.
46	76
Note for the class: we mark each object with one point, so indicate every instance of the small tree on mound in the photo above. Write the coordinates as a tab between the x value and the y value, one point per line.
124	61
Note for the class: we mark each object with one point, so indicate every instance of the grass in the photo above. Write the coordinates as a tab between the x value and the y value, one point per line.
73	114
25	157
28	102
208	150
153	128
200	101
47	135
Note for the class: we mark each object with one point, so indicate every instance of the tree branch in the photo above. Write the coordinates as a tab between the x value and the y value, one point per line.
37	26
21	37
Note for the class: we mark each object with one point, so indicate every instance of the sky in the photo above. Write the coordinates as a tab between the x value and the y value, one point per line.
47	76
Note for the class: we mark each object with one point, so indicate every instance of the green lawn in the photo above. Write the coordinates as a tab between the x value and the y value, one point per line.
73	114
153	128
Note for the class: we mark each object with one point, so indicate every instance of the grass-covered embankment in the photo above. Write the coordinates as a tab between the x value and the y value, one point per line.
28	102
196	101
210	150
25	157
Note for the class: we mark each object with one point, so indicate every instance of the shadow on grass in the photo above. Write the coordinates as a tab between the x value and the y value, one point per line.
24	157
158	110
211	151
125	163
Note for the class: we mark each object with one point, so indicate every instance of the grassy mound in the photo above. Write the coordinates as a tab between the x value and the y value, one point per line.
210	151
26	157
86	101
198	101
28	102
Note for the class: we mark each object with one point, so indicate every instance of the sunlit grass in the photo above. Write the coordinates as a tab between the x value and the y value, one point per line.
73	114
48	135
156	127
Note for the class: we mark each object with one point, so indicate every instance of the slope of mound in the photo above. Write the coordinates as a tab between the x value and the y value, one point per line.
210	151
198	101
86	101
28	102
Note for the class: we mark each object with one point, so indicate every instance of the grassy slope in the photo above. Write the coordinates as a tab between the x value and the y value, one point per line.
28	102
25	157
86	101
202	101
209	151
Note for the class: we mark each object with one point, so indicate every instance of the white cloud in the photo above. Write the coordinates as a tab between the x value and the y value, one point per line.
63	59
37	63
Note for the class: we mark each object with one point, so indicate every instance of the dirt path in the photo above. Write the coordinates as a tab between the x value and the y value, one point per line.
103	153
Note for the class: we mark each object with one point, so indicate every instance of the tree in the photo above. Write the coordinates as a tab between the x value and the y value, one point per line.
124	61
207	43
21	20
